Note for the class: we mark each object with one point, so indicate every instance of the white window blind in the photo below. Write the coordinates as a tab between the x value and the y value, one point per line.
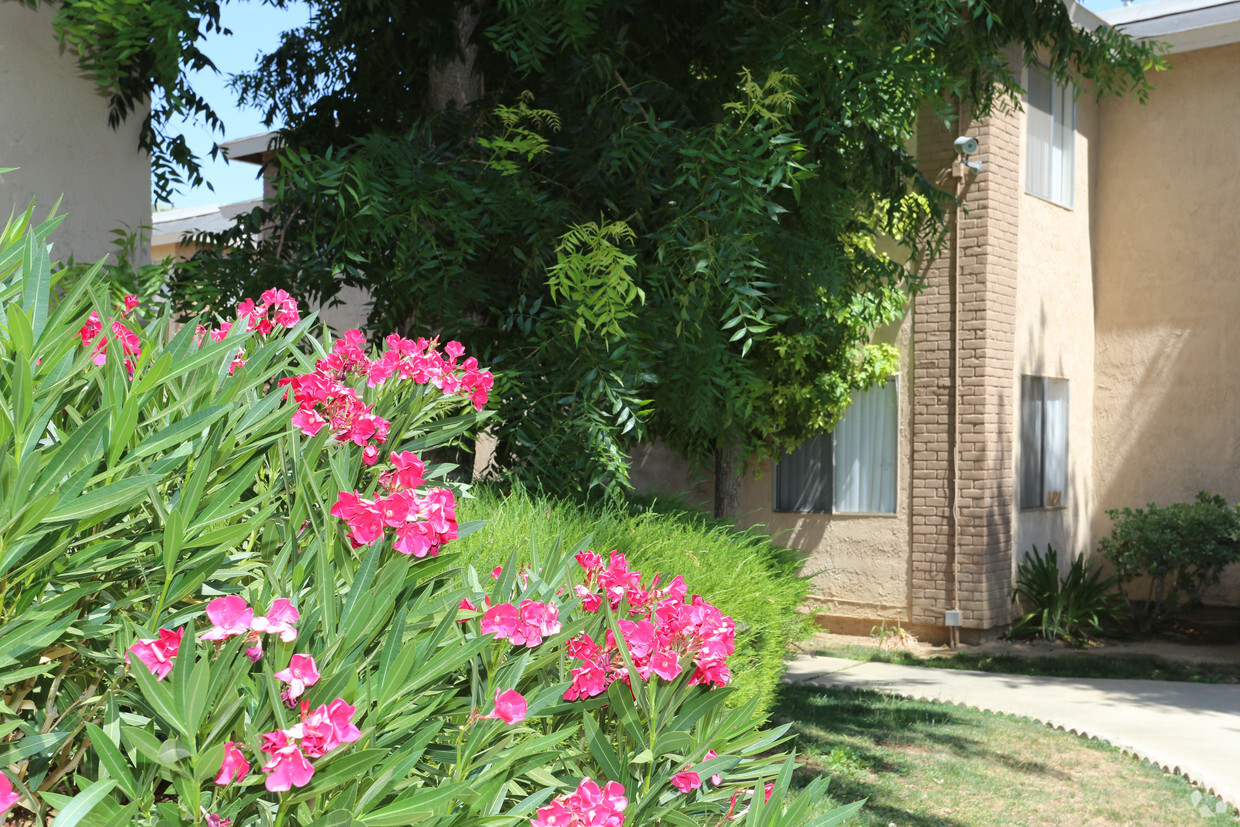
1043	442
852	470
1051	111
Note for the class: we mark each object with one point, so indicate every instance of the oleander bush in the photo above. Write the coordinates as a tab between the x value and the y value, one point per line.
230	596
1167	556
749	578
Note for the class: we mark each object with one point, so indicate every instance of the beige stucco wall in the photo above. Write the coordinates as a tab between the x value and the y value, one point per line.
858	564
1055	335
54	127
1168	292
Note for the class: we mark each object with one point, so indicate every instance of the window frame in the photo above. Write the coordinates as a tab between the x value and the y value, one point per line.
1042	385
829	468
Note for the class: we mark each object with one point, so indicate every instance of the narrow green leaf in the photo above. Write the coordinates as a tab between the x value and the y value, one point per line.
179	432
112	760
83	803
132	490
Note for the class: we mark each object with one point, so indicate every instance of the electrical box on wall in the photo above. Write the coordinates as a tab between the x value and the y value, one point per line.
951	618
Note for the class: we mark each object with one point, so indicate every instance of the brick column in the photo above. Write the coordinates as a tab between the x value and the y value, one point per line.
963	484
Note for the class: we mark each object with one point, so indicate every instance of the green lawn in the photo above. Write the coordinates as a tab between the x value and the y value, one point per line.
1067	665
920	763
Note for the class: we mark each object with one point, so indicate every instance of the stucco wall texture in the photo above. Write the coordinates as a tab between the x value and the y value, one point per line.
1167	293
54	128
1055	335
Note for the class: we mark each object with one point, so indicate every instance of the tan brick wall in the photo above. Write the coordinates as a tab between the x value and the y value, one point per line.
963	410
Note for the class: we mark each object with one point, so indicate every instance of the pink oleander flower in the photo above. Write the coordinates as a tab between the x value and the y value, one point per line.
510	707
665	638
255	652
686	781
301	672
130	303
279	620
229	616
408	471
214	820
715	779
7	797
234	766
589	806
524	626
328	727
288	766
158	654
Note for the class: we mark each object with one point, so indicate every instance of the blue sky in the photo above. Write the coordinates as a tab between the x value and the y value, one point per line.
255	27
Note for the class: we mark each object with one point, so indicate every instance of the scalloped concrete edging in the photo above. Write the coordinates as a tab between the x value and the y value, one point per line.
1189	729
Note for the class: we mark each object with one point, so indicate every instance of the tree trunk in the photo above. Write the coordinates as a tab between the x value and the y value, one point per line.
458	82
729	471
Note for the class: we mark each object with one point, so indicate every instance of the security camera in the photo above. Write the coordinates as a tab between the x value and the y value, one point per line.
966	145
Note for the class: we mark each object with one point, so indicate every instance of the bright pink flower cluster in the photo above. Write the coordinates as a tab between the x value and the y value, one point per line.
159	653
525	625
668	633
324	398
289	750
423	523
589	806
131	345
619	585
275	308
231	616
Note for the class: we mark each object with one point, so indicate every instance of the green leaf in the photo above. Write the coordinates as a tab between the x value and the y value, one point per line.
112	760
192	425
599	747
31	745
105	498
419	804
158	695
83	803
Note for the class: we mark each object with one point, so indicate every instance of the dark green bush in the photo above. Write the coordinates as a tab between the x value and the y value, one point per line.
1180	550
1072	607
743	573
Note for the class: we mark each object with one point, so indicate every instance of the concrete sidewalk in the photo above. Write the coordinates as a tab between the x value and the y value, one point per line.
1188	728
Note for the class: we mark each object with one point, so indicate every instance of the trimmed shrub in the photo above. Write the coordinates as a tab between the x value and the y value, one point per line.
1179	550
743	573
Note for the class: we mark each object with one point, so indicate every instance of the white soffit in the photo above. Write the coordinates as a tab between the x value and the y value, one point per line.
249	149
1183	24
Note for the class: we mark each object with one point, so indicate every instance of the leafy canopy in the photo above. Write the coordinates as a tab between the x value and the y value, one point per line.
657	219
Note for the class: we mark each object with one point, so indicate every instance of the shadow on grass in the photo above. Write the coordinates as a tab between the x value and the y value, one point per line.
865	742
1068	665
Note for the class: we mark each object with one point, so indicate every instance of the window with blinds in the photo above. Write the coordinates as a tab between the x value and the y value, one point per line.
1051	133
851	470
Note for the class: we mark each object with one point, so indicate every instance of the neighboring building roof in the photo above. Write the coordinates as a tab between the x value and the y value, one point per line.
250	149
1184	24
170	226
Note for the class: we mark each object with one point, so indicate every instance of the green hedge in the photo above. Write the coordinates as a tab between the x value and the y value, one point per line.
743	573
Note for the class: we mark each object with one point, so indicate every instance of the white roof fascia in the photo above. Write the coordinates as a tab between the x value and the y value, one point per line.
251	148
1185	25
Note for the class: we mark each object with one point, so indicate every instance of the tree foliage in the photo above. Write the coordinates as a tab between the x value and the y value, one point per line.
658	219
